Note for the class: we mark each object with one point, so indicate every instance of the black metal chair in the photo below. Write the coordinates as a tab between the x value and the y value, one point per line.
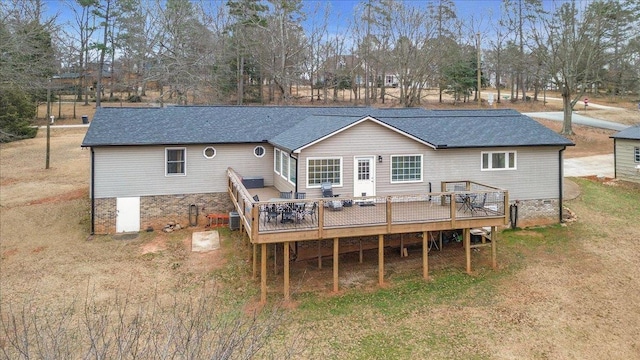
461	199
311	212
479	205
270	212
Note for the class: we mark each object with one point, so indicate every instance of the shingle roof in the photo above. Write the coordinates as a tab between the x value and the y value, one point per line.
294	127
630	133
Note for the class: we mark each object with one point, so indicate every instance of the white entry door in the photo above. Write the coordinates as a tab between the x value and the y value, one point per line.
364	176
128	214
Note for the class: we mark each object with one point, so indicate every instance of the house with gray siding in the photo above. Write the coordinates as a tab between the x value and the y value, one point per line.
626	149
153	165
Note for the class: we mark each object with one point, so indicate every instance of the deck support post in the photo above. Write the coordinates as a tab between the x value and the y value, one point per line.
285	252
425	255
275	259
360	244
336	248
494	247
381	259
401	245
255	260
467	247
319	255
263	274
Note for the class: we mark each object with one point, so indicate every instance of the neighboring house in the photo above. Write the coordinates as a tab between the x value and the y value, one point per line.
153	165
626	149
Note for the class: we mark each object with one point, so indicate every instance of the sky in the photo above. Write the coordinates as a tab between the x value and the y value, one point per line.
341	10
341	13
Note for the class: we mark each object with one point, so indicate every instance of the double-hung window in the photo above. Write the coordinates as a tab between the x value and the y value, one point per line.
406	168
498	160
176	161
320	170
277	162
293	164
285	164
636	154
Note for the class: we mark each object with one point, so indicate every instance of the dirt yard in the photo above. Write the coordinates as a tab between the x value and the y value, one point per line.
577	302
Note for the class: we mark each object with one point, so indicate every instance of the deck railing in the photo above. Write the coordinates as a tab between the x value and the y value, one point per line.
460	204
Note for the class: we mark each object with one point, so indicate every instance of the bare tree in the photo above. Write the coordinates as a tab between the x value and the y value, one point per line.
410	34
191	326
574	42
520	20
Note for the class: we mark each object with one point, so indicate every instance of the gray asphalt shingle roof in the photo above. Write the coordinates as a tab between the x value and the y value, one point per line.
630	133
294	127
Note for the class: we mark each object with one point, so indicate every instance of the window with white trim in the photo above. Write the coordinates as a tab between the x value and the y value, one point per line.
406	168
209	152
276	161
320	170
498	160
176	161
259	151
293	164
285	164
636	154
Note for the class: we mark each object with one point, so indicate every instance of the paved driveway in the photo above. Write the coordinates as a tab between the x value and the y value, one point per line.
598	165
578	119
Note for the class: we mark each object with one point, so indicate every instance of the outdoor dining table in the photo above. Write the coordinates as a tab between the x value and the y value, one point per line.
287	209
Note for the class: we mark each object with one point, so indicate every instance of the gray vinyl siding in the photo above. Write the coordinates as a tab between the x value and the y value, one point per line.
364	139
625	161
140	170
536	176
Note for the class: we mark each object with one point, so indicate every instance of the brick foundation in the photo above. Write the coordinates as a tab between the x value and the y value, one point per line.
537	212
157	211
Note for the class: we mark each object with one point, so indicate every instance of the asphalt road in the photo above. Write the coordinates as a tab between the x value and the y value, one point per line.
578	119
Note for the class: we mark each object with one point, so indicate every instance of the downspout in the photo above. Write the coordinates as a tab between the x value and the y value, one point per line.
297	166
93	198
615	159
560	180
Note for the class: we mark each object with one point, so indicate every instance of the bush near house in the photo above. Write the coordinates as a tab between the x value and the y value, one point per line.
16	111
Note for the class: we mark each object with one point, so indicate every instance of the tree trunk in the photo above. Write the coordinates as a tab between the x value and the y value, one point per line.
240	79
566	107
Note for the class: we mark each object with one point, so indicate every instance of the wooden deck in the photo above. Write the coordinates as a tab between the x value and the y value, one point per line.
463	205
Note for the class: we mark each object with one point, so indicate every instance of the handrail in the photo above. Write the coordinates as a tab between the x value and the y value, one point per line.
391	213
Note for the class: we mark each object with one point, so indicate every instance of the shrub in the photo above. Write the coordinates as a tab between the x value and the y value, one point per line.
16	113
134	98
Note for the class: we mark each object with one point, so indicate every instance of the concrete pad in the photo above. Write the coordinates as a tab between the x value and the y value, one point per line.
597	165
205	241
570	190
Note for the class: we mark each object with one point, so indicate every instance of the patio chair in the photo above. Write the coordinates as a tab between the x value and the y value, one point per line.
301	195
270	212
286	194
327	192
310	212
479	205
288	214
460	199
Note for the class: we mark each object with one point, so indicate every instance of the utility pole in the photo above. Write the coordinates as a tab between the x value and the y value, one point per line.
46	166
479	73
